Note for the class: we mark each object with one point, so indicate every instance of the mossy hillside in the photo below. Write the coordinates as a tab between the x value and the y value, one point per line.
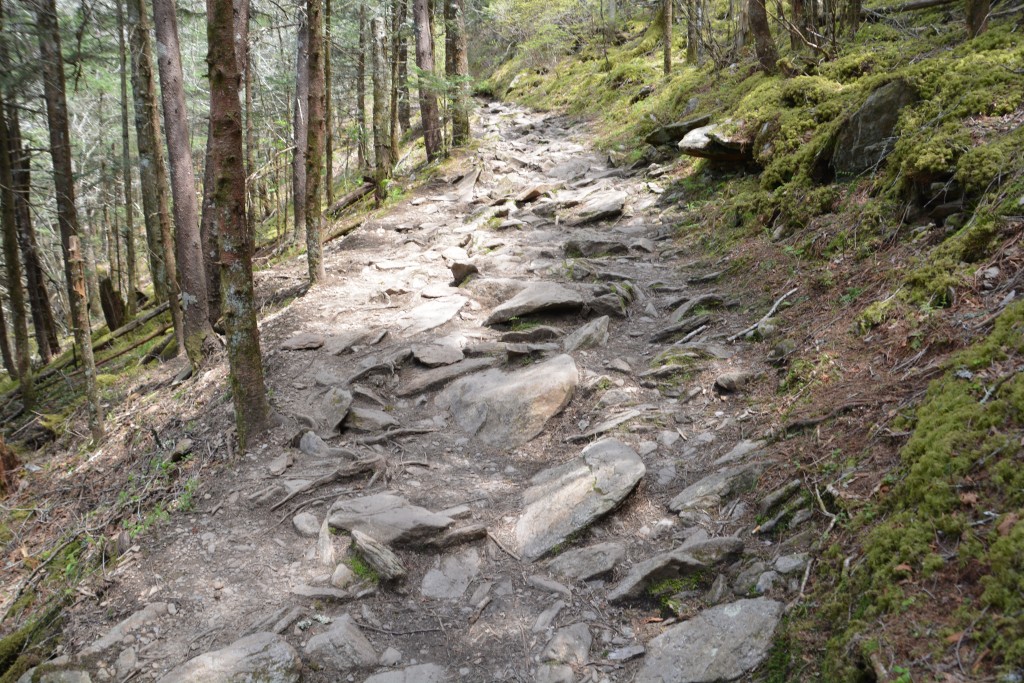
954	510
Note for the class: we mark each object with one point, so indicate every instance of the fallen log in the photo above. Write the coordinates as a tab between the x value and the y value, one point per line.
350	198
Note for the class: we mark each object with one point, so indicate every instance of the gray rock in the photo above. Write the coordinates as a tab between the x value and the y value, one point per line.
331	409
586	563
545	618
681	562
390	657
624	654
747	579
68	676
438	377
765	582
741	451
566	499
337	344
734	380
452	577
368	420
342	577
537	297
320	593
867	136
569	645
507	409
593	245
717	143
421	673
555	673
540	333
718	592
601	206
714	488
306	524
789	564
303	341
688	307
594	333
431	314
674	132
259	658
433	355
719	644
387	518
342	646
545	584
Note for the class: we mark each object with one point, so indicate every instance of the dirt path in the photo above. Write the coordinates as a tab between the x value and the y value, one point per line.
542	502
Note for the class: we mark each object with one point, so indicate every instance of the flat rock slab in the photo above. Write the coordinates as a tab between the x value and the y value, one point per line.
431	314
304	341
719	644
433	355
450	579
714	488
601	206
368	420
566	499
594	245
343	646
594	333
537	297
587	563
337	344
674	564
507	409
421	673
259	658
387	518
438	377
540	333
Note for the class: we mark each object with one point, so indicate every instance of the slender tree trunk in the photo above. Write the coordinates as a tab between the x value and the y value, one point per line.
52	65
300	126
315	143
404	106
199	336
362	151
12	261
428	98
667	47
455	25
328	113
89	262
152	171
126	168
252	414
383	153
977	17
796	25
764	45
397	20
5	346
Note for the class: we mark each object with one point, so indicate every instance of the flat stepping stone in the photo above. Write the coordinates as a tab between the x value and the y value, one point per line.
566	499
438	291
540	333
337	344
452	576
601	206
587	563
719	644
705	301
594	245
438	377
594	333
421	673
387	518
713	489
431	314
674	564
304	341
433	355
368	420
261	656
343	647
538	297
507	409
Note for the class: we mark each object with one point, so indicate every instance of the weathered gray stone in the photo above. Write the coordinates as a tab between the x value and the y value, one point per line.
342	577
674	132
342	646
719	644
540	333
368	420
508	409
555	673
593	245
303	341
452	577
674	564
867	136
594	333
462	269
306	524
565	499
789	564
744	449
714	488
601	206
587	563
431	314
438	377
387	518
433	355
570	645
421	673
537	297
734	380
338	344
259	658
330	409
717	142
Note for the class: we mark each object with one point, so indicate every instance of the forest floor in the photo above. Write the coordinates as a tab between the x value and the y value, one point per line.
499	407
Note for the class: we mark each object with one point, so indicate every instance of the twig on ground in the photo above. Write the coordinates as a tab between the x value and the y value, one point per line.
770	313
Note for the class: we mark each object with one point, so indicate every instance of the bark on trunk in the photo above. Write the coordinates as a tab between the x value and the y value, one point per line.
5	346
52	64
397	20
328	122
455	26
667	45
977	17
362	148
300	126
428	98
252	414
126	168
315	143
764	45
383	153
404	109
199	336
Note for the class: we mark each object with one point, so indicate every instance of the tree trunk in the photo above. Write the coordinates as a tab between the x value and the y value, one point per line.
667	46
252	414
52	65
383	153
89	262
397	20
5	346
126	167
12	262
404	108
152	171
692	32
328	123
455	26
199	336
764	45
362	151
977	17
796	25
428	98
315	143
300	126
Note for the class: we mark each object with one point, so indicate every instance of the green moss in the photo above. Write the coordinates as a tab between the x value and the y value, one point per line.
361	569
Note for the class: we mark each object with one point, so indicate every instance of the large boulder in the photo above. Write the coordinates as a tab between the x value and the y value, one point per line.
507	409
718	142
866	137
537	297
259	658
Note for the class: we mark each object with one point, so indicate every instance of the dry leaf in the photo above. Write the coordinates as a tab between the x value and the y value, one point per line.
969	498
1006	526
903	568
954	637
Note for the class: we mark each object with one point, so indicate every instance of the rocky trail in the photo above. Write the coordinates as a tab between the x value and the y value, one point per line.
518	449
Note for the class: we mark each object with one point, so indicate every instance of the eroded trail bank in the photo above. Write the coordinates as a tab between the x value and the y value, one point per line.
519	450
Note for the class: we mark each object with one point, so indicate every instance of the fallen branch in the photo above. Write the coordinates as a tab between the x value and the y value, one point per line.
393	434
905	7
349	199
379	556
770	313
342	472
805	423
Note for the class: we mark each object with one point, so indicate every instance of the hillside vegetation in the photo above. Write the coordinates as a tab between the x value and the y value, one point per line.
904	345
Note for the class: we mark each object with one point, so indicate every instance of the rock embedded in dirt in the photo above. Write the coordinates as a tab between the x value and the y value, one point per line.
717	142
433	355
587	563
66	676
387	518
263	657
306	524
337	344
537	297
601	206
342	647
789	564
462	269
421	673
570	645
734	381
303	341
431	314
719	644
540	333
368	420
452	576
507	409
342	577
747	448
439	376
866	137
674	132
594	333
690	560
564	500
593	245
713	489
